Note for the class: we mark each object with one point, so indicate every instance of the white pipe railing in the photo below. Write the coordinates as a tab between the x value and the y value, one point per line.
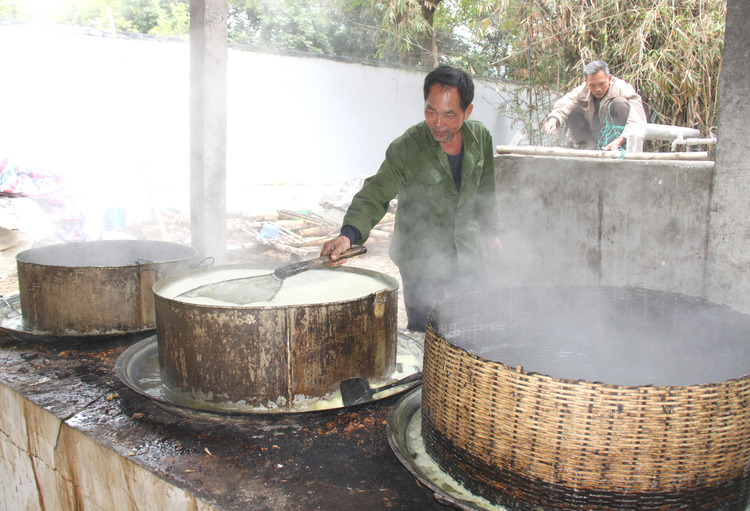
679	135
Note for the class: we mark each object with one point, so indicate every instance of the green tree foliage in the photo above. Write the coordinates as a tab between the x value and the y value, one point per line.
300	25
406	26
331	27
173	19
455	28
9	9
354	31
159	17
670	50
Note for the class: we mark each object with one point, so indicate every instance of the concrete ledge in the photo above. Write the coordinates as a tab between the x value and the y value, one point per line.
45	464
72	436
608	222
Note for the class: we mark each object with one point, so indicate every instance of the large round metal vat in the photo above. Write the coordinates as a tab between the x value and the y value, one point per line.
271	355
95	287
600	398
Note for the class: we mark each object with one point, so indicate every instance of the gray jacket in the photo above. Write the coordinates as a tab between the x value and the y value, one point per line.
581	97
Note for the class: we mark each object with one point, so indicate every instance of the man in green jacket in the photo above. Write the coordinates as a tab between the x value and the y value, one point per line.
447	222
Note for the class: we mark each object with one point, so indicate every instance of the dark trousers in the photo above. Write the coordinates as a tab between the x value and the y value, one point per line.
421	295
581	132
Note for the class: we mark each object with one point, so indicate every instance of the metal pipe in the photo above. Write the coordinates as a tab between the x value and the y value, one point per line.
668	132
693	142
611	155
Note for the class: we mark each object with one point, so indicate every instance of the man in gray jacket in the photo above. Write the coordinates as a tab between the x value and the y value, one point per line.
595	107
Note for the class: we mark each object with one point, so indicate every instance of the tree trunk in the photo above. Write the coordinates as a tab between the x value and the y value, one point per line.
428	43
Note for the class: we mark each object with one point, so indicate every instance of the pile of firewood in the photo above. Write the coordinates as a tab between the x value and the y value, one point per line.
296	233
299	232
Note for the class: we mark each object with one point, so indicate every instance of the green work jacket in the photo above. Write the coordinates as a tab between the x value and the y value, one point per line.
433	220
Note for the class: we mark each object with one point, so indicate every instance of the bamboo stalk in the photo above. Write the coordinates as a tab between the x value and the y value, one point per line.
375	233
287	236
311	217
316	231
385	227
316	241
241	226
388	218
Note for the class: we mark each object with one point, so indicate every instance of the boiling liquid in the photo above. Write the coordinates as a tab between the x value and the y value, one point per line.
313	286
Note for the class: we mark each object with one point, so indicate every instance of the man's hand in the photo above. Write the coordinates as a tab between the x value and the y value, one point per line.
334	248
615	144
550	126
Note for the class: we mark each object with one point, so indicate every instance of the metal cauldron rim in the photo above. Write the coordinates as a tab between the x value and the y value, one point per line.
89	260
391	285
24	255
529	363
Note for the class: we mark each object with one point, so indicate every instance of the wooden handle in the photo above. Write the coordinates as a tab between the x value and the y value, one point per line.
351	252
295	268
408	379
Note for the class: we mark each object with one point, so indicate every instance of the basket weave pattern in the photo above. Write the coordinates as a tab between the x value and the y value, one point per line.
532	440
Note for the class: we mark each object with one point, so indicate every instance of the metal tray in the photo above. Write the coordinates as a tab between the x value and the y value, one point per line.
11	323
405	438
138	368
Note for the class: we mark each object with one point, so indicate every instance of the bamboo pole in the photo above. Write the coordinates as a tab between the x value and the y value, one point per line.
321	230
609	155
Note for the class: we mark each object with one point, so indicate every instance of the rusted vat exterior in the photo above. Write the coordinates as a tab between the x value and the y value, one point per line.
262	355
96	287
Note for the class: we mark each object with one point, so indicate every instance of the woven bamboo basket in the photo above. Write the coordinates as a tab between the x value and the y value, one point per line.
590	398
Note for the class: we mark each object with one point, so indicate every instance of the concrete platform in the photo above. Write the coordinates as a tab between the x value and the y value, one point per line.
72	436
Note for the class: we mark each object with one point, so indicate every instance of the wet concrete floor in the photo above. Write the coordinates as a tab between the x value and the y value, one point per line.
338	460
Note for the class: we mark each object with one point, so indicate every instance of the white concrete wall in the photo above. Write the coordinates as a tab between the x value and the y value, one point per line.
112	115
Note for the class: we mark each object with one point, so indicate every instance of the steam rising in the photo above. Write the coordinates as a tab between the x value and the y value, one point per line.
611	335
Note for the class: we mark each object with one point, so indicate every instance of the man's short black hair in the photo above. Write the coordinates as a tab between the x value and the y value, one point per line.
451	77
